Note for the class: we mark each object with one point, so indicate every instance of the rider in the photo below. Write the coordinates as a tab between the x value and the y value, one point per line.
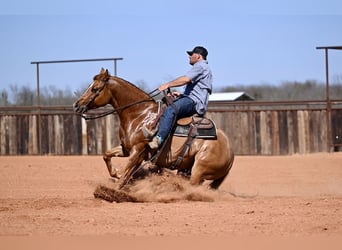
194	100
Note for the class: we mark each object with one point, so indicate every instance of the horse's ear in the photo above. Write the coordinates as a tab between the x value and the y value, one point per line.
102	71
107	73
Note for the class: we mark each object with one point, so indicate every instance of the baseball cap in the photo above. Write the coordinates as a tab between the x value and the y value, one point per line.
199	50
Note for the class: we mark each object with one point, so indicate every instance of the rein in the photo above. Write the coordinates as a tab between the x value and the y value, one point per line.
93	117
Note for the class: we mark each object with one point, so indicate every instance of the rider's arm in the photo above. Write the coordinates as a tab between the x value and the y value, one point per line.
180	81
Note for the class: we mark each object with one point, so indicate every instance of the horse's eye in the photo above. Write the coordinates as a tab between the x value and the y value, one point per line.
94	89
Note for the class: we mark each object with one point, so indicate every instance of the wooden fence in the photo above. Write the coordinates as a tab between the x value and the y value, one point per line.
254	128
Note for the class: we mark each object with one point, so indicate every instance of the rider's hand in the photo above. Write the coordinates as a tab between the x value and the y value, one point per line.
176	94
163	87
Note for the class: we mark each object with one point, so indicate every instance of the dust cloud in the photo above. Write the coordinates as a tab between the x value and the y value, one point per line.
166	188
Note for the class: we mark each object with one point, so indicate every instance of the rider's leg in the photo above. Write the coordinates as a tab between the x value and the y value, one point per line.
165	125
182	107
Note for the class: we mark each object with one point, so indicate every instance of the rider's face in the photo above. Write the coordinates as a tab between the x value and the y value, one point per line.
194	58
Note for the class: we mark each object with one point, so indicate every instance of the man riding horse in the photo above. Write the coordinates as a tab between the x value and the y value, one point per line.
198	81
203	157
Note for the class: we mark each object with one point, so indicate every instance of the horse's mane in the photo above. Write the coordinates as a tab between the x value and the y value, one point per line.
131	84
104	77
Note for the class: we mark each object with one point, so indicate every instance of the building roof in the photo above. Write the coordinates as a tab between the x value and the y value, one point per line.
230	96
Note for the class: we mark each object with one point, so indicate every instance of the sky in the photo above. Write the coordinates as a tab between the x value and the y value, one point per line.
249	42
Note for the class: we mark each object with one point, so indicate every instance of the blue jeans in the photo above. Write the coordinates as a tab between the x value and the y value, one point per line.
182	107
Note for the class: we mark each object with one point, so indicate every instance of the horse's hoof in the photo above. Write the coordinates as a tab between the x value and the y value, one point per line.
114	173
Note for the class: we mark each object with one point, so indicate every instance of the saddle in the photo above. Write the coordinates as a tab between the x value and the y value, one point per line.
205	127
191	127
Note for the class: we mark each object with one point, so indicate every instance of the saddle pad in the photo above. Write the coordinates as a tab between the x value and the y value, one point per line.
203	132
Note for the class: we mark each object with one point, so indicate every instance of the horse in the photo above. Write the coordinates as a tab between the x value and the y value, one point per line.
209	160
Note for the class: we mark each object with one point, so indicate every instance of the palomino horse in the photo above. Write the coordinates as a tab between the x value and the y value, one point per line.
207	159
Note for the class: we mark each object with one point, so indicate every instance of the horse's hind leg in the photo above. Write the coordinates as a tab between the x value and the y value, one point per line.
196	177
107	156
216	183
200	173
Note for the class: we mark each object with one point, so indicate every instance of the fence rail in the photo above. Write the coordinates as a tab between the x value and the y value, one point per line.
254	128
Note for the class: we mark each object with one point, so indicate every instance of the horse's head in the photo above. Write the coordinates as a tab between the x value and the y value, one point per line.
96	95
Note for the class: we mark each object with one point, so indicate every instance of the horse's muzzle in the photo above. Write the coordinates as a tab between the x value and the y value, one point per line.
79	108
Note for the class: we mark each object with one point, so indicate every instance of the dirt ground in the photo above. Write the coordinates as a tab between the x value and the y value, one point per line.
299	195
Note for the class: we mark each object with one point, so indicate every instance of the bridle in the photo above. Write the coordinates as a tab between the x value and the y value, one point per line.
97	93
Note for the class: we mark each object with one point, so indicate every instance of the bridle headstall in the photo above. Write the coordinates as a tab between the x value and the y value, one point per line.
93	117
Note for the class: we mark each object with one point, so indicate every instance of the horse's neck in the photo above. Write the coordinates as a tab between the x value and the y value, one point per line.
132	103
124	93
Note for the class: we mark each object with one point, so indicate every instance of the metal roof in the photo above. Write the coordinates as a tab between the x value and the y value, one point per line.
230	96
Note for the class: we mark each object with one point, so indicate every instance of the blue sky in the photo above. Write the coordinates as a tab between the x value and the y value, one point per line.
250	42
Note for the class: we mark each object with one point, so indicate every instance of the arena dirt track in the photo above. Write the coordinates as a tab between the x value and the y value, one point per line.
298	195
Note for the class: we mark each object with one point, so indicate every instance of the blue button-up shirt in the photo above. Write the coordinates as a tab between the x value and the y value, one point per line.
201	85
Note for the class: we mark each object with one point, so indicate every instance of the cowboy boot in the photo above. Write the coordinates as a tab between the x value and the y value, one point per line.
155	143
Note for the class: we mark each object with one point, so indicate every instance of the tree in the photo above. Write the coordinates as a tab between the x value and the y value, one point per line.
4	98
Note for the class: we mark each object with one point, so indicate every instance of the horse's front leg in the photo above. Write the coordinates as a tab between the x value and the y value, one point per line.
107	157
136	157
